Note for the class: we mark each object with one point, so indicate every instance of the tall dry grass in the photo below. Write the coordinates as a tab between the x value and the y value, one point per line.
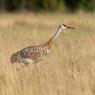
69	69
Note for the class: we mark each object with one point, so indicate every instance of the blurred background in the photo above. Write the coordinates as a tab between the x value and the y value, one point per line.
69	68
47	5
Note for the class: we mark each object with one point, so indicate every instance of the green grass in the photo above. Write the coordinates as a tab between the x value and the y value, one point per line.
69	69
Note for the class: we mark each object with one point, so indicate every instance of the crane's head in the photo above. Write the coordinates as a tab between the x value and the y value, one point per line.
63	26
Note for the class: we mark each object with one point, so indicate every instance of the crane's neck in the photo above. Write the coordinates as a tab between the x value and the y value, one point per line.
52	39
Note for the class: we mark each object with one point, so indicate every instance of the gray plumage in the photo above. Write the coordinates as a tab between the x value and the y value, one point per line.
32	54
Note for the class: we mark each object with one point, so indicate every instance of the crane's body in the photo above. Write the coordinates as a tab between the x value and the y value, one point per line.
34	54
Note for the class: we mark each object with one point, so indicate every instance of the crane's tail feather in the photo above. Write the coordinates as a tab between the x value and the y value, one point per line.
15	58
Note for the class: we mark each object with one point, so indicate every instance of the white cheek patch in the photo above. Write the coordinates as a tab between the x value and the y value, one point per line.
64	27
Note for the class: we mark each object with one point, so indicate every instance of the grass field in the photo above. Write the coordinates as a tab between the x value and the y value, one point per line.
69	69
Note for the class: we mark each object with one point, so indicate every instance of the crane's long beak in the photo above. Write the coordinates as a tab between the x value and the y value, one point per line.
70	27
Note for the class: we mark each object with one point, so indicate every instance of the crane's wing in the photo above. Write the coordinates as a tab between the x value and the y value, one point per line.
32	53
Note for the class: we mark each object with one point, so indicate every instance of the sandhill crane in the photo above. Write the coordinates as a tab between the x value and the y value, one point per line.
34	54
